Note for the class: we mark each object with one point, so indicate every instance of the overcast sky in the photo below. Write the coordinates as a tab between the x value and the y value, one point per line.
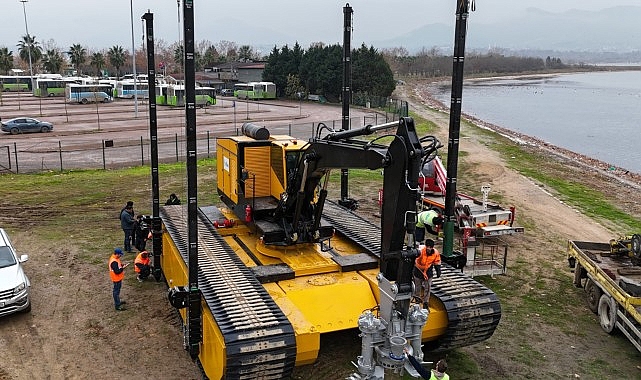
98	24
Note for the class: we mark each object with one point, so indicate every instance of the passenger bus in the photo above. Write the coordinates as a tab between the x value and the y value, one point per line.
53	86
125	89
174	95
79	93
161	94
111	83
255	90
16	83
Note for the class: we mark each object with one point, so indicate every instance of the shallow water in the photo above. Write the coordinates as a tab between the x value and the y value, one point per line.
597	114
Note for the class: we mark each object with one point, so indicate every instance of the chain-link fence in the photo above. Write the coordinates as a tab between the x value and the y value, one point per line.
117	153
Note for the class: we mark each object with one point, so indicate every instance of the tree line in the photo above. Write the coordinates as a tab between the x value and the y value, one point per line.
319	70
295	71
431	63
47	57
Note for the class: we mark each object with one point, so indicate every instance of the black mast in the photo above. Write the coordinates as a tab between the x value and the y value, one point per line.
346	98
194	322
156	224
462	11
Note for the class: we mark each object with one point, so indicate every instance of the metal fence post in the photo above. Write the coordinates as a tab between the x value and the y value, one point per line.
207	144
142	152
60	153
8	152
176	138
15	152
104	163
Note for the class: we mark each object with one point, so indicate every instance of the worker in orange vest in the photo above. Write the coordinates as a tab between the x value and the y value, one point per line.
428	261
142	266
117	273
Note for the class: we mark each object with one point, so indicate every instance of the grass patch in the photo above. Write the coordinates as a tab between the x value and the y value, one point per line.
85	205
559	179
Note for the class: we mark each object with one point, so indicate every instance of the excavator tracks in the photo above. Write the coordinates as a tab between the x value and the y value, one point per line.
258	339
473	310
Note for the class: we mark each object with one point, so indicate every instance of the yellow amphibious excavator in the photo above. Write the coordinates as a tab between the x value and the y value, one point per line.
280	264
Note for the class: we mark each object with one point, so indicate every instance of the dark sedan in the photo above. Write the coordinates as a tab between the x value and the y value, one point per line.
25	125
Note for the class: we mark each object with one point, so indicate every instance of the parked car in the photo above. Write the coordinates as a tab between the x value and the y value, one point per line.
14	284
25	125
227	92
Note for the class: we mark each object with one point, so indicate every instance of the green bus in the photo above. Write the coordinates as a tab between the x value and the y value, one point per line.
16	83
255	90
48	87
174	95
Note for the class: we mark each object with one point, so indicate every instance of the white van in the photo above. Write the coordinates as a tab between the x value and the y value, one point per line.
14	284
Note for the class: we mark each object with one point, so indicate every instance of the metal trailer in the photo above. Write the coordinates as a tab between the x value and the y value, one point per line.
481	224
612	283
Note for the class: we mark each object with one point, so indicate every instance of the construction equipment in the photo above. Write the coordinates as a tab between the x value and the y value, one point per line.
483	217
612	282
285	265
258	281
480	224
628	246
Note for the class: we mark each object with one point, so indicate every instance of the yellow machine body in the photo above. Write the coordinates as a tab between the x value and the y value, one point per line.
319	295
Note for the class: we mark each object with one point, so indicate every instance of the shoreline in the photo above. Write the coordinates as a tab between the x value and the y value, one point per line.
623	175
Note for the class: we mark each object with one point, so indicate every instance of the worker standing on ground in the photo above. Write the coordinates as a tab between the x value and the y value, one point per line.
117	273
428	262
429	220
141	233
142	266
127	224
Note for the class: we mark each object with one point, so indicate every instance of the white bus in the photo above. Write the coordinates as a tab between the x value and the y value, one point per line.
79	93
125	89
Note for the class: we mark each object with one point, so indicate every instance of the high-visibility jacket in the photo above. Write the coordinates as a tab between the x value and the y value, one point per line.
115	277
444	377
426	218
424	261
141	260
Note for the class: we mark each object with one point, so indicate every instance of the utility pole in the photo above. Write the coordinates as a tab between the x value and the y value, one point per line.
133	58
26	27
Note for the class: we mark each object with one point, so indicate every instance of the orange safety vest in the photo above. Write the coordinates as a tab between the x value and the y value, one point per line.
424	261
140	260
115	277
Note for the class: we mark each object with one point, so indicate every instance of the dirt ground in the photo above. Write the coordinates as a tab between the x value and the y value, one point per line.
74	333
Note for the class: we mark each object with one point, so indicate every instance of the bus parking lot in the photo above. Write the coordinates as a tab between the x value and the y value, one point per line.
116	134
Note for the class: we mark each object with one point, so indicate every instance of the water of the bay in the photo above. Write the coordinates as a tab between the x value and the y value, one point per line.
597	114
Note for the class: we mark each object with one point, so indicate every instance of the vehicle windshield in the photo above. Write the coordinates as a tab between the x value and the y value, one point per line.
7	258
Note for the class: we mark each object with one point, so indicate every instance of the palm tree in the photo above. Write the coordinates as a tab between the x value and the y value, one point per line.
29	43
78	55
52	61
6	60
98	62
116	56
179	56
245	53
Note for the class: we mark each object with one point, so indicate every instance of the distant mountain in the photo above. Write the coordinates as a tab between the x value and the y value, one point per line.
613	29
